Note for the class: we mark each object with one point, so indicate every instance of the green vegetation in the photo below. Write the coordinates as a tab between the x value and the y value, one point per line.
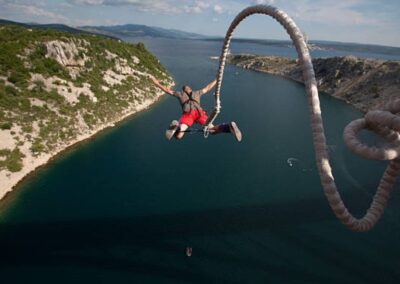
11	160
37	148
41	110
375	90
5	125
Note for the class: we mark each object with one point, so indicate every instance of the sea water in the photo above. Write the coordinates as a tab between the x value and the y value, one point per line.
124	206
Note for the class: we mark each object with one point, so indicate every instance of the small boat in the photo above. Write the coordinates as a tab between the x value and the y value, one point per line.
189	251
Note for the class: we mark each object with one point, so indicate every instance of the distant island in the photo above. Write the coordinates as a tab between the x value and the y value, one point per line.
364	83
59	88
132	30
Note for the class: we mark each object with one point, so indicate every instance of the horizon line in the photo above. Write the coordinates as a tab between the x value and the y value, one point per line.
202	35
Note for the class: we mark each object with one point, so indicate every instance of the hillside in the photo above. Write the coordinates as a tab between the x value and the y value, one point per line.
59	88
56	27
364	83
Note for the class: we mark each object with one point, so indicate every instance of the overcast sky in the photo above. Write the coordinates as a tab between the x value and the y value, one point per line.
361	21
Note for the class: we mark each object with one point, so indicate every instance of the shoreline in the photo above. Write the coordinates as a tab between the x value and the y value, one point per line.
365	84
17	179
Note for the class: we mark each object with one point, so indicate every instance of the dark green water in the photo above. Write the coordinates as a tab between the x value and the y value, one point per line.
122	207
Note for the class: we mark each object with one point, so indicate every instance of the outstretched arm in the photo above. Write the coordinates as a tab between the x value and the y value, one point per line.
207	88
158	84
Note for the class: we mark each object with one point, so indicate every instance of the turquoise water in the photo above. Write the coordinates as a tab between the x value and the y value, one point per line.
123	207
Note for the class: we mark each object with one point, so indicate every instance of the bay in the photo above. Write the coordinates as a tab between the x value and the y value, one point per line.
124	206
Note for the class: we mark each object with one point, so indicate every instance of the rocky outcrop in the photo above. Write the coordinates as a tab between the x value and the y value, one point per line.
67	53
364	83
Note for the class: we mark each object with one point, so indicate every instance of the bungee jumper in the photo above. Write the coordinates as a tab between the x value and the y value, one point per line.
193	113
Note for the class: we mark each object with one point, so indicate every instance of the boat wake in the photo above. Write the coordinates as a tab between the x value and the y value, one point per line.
298	164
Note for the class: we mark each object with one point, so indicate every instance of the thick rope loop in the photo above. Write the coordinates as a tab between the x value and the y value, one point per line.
385	123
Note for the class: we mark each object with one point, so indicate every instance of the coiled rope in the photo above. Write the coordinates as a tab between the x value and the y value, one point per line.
385	123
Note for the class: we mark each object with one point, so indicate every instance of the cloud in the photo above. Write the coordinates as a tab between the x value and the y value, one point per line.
218	9
263	2
38	12
342	13
203	4
155	6
197	7
35	11
88	2
160	6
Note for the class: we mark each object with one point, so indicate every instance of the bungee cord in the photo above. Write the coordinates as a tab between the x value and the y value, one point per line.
385	122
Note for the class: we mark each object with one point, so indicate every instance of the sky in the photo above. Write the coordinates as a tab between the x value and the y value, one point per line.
360	21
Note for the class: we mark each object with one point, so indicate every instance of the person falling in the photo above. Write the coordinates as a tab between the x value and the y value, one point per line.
193	112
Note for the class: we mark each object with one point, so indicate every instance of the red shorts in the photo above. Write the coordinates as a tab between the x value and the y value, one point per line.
198	116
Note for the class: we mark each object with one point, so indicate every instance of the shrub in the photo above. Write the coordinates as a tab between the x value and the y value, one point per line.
27	128
41	50
16	77
13	161
11	90
37	148
88	64
6	125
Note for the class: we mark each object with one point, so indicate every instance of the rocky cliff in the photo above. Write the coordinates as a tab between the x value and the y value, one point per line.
364	83
59	88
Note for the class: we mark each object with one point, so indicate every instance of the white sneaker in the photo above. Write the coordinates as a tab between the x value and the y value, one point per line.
173	127
235	131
